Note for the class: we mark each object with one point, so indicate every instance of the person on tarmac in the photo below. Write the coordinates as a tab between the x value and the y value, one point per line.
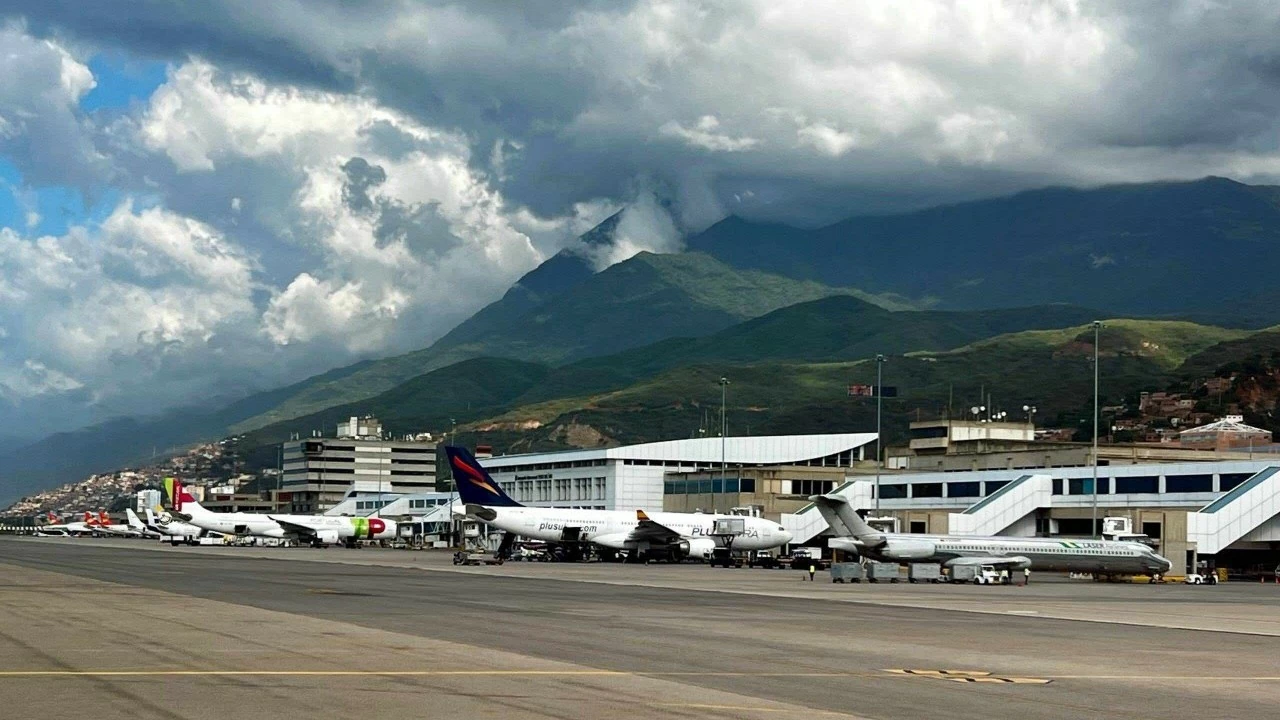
812	570
1004	577
1026	576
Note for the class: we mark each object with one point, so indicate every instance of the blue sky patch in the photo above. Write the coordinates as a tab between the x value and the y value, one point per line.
59	206
121	81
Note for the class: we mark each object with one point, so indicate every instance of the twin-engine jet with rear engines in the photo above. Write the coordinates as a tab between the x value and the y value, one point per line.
669	535
311	529
1102	557
140	528
172	529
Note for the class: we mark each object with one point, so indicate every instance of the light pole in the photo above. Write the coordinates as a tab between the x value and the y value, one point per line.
879	403
724	428
1097	327
1030	410
453	487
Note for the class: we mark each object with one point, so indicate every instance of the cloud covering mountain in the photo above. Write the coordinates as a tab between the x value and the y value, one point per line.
207	198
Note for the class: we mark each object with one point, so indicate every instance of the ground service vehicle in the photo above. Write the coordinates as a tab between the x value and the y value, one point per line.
847	572
924	572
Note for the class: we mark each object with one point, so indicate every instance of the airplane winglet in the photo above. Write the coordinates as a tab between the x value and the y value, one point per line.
641	516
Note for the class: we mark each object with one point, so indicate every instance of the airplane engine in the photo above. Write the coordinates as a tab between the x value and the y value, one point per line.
326	537
615	541
910	549
700	548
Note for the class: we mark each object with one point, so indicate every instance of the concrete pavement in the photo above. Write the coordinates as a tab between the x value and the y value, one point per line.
477	644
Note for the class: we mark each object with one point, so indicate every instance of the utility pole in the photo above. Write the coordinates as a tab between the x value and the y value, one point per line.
1097	327
453	487
879	404
724	429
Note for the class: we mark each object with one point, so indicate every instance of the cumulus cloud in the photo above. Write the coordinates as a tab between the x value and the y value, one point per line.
41	130
269	231
707	135
128	311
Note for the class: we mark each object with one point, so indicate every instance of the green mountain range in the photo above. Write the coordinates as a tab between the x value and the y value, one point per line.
1201	250
1049	369
782	366
636	302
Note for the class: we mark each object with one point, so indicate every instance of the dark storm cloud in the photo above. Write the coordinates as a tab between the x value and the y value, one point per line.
598	94
361	176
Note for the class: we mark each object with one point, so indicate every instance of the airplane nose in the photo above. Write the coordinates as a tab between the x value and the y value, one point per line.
785	536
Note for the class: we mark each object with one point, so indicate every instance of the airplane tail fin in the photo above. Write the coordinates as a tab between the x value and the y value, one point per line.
135	522
89	519
842	518
475	486
182	500
103	518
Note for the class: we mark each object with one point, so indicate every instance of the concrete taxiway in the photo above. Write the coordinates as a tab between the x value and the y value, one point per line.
140	631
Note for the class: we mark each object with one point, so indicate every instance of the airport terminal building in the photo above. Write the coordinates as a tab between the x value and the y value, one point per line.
634	477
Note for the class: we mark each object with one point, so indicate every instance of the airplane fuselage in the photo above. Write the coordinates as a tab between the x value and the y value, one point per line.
1051	554
238	523
610	528
326	527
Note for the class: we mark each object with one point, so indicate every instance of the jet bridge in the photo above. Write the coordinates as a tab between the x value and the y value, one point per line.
1248	512
1002	510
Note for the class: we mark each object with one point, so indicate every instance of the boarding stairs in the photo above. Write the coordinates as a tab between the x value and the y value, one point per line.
1000	511
1247	512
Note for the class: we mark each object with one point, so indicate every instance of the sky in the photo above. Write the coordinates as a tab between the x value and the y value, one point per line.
201	200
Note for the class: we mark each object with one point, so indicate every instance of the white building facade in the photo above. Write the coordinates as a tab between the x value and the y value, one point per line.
631	477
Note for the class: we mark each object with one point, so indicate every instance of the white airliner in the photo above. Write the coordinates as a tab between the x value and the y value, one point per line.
130	529
670	535
140	528
1105	557
311	529
88	526
175	530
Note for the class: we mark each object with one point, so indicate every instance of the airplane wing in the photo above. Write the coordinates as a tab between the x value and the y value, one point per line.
654	532
1012	562
293	527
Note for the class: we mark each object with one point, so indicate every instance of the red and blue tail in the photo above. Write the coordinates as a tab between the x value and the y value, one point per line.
475	487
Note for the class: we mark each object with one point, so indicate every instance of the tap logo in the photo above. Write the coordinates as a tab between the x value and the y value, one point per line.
368	527
474	476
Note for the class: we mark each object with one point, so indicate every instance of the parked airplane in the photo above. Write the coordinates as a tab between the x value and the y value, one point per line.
311	529
139	528
1105	557
107	527
670	535
87	526
176	531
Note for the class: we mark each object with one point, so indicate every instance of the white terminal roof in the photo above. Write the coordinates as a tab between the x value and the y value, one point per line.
1228	424
749	450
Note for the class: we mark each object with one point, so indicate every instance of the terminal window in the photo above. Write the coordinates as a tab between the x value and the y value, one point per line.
1188	483
1138	484
893	491
1229	481
963	489
926	490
